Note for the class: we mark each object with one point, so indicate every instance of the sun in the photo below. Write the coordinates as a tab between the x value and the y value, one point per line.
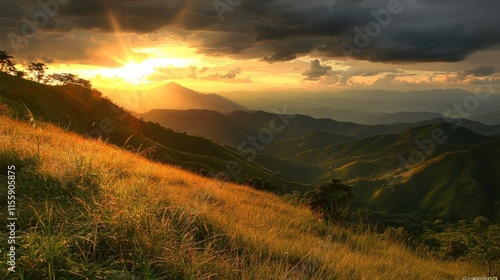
136	73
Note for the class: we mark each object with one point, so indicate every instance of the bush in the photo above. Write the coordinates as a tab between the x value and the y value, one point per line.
329	198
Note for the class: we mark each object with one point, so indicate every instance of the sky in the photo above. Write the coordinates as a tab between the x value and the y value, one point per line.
231	45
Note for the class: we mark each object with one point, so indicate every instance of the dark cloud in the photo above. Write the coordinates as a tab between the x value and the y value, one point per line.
482	71
282	30
316	71
128	16
326	75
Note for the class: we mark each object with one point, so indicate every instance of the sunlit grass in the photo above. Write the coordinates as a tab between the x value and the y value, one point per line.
90	210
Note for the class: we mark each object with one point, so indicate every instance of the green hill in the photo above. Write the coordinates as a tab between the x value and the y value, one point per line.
458	185
234	128
463	170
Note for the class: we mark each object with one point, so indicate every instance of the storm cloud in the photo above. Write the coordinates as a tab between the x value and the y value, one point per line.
282	30
316	71
482	71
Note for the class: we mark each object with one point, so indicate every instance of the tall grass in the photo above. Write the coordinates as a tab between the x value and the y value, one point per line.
90	210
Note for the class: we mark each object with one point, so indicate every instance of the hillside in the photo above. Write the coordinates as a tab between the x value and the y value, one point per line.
444	184
209	124
234	128
460	170
87	209
87	113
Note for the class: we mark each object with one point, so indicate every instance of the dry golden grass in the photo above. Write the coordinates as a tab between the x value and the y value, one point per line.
90	210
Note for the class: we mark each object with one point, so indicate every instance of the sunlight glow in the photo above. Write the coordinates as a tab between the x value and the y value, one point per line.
137	73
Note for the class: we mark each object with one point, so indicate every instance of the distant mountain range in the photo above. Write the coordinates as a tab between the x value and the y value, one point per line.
362	107
371	106
362	117
366	117
232	129
491	118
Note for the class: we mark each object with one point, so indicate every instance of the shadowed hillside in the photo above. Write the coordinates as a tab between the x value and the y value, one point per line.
233	128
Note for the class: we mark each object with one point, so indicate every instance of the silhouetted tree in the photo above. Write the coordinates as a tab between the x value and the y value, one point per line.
21	74
37	69
67	79
10	67
5	61
84	83
61	79
328	198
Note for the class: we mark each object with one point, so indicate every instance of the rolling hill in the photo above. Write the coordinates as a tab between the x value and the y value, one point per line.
406	173
234	128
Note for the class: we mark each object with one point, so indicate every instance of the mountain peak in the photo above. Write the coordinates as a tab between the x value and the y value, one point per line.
174	85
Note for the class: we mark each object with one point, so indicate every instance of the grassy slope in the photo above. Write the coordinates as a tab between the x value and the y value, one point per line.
87	209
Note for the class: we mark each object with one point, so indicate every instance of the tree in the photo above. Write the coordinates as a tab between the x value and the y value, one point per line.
5	60
37	70
6	64
10	67
68	78
483	240
477	240
328	198
20	74
83	83
61	79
